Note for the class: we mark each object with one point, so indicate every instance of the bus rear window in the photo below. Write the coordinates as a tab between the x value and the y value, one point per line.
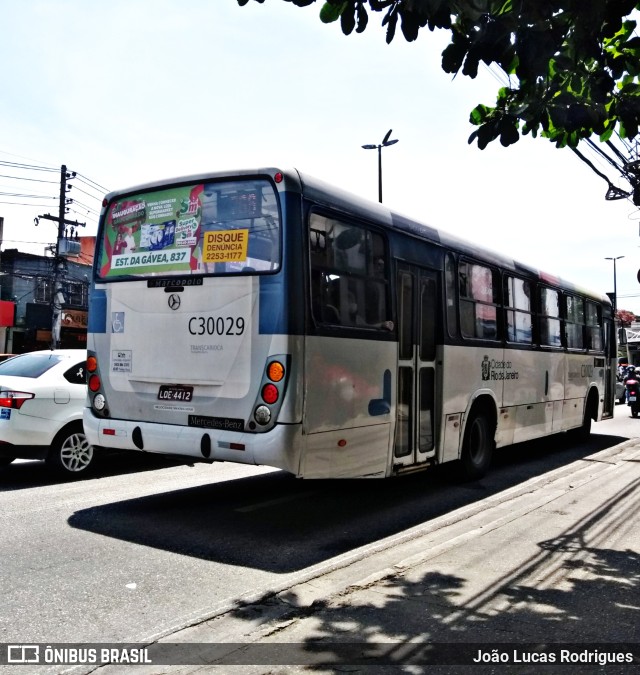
225	227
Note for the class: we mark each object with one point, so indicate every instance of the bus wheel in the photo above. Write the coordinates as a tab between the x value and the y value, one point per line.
582	433
477	448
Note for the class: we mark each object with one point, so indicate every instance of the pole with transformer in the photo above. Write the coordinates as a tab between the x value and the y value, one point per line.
60	263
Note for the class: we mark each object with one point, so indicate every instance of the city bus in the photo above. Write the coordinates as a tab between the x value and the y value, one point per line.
267	318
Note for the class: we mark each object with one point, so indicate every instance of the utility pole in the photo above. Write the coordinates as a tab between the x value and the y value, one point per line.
60	262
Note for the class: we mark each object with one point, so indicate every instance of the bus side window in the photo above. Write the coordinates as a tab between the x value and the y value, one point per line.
549	320
518	310
574	321
479	297
594	327
450	279
349	285
321	307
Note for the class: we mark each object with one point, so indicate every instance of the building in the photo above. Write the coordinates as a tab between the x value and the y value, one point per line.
27	297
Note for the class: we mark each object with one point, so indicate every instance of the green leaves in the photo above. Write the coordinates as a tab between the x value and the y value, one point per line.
577	70
352	14
493	123
573	66
331	12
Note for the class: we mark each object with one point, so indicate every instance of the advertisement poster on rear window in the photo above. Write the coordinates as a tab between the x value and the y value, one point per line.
182	230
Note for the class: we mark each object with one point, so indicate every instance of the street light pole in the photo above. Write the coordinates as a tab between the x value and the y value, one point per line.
378	147
615	283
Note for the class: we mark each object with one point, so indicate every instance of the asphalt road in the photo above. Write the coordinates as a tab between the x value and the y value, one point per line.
147	548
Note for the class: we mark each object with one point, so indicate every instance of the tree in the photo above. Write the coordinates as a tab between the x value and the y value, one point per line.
573	68
624	317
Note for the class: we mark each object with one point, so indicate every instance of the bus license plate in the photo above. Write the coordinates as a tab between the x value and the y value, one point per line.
173	392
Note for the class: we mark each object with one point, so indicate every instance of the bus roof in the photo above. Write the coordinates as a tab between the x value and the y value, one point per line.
349	203
322	192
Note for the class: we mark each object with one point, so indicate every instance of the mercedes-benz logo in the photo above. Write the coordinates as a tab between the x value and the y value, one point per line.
174	301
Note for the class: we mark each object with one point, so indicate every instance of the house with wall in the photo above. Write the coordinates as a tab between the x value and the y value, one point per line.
27	297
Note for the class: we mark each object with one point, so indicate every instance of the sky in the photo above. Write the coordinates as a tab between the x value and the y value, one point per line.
130	91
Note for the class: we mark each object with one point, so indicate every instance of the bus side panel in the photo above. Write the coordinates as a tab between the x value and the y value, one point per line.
534	381
348	409
468	370
584	372
348	453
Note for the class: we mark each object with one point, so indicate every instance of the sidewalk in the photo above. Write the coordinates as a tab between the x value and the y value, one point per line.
553	560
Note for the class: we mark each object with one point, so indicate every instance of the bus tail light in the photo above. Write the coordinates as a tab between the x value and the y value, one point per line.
97	397
275	371
262	415
14	399
270	393
272	390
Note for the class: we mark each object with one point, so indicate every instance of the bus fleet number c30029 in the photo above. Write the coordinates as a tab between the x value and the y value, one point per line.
220	325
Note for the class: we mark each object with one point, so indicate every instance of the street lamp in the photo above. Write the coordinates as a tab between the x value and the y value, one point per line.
384	144
615	288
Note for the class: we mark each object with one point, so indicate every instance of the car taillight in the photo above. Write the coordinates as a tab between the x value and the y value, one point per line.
14	399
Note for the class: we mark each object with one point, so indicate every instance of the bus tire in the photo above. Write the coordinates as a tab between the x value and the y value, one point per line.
477	447
582	433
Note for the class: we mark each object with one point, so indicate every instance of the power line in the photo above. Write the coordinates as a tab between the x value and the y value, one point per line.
84	179
12	154
44	200
22	241
35	180
84	192
24	196
27	203
32	167
83	205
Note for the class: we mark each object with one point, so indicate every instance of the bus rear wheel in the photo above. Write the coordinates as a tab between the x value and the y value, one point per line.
477	447
581	434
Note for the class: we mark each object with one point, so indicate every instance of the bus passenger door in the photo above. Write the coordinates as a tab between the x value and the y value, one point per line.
416	399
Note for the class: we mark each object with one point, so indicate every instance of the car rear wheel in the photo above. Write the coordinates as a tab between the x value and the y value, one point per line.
71	454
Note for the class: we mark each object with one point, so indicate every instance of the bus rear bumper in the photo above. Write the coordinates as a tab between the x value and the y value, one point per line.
279	448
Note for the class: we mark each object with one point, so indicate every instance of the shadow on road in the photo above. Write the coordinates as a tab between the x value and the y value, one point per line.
21	475
276	523
574	593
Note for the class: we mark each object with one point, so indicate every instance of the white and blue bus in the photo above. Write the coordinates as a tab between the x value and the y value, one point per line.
266	318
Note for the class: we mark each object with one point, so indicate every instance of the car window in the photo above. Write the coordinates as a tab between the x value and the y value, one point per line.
77	374
29	365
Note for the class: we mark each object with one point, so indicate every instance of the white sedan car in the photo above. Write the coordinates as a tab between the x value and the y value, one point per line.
42	397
